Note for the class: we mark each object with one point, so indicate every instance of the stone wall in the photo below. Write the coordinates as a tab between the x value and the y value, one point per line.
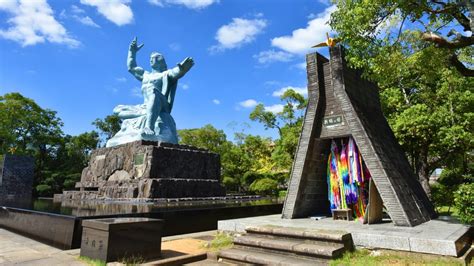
16	177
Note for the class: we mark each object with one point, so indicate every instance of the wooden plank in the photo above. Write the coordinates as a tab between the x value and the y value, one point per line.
374	210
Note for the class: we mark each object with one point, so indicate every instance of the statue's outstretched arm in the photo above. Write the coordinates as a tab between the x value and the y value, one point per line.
135	70
181	69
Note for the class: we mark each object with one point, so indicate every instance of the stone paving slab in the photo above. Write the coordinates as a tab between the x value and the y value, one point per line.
19	250
441	237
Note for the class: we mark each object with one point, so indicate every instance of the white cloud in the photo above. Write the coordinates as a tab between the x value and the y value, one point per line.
78	15
325	2
276	108
280	92
184	86
191	4
301	65
86	21
302	39
121	79
33	22
270	56
77	10
116	11
238	32
250	103
216	101
8	5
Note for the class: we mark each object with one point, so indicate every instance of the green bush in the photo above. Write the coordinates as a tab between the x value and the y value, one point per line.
442	196
264	186
282	193
451	177
69	184
250	177
464	203
44	190
230	183
70	181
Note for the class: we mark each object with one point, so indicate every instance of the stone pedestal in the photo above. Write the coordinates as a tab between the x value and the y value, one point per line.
149	170
121	238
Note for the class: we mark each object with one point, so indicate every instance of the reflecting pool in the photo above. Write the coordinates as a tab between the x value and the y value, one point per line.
109	207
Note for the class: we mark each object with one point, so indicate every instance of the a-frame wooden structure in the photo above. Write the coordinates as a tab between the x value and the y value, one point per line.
342	104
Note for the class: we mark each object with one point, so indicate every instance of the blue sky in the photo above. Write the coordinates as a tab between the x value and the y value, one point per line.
70	55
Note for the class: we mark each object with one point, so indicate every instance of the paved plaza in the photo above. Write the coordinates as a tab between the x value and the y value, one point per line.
16	249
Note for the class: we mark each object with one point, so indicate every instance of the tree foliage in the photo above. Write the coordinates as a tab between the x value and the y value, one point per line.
414	52
26	126
463	198
32	130
288	122
264	186
243	162
107	126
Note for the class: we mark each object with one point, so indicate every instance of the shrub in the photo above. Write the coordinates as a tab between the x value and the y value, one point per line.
264	186
442	195
44	190
282	193
230	183
464	203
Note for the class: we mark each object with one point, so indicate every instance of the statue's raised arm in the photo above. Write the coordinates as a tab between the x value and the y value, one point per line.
136	71
181	69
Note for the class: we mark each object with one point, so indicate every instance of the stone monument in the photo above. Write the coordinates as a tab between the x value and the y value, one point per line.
143	160
342	104
16	177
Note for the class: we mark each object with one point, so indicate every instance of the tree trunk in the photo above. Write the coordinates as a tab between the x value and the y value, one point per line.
424	173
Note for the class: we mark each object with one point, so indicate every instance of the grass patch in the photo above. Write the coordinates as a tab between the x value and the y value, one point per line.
92	262
221	241
367	257
132	260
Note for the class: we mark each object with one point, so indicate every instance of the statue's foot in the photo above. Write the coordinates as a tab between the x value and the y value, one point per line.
148	131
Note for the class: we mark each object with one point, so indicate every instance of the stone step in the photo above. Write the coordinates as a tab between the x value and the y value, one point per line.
333	236
266	258
297	246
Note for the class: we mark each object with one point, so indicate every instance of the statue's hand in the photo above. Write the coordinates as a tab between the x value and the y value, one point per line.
186	64
134	47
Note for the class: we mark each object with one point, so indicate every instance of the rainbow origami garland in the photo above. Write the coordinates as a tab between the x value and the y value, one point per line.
347	178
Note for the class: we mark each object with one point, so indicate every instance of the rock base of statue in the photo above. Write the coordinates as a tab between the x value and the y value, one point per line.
149	170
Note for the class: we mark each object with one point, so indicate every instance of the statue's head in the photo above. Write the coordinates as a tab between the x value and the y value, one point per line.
157	62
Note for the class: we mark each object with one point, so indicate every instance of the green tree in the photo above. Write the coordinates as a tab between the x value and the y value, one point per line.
259	150
108	126
30	129
288	122
414	52
64	168
207	137
78	149
249	156
463	199
215	140
264	186
26	126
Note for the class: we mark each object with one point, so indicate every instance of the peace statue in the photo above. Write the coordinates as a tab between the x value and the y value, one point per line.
151	120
